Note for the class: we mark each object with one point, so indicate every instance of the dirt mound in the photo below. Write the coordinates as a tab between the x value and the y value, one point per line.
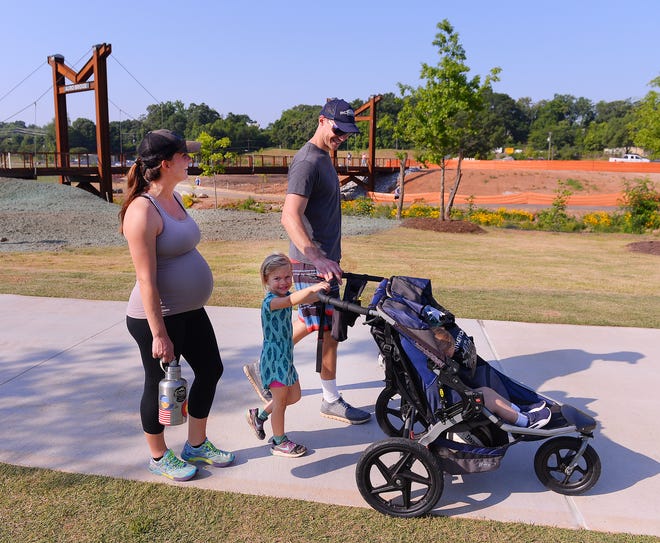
648	247
436	225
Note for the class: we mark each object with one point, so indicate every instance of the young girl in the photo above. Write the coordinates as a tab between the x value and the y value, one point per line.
276	364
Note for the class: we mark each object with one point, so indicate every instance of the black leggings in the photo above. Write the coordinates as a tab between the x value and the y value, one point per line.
194	339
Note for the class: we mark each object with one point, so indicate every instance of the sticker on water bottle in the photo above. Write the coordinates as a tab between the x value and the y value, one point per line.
180	394
165	408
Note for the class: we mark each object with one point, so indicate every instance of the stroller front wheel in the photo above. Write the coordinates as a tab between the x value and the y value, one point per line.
399	477
552	461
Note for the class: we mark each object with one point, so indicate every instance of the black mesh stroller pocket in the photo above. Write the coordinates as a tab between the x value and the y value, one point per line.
461	458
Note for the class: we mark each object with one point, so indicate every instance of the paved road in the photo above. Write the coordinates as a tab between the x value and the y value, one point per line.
71	382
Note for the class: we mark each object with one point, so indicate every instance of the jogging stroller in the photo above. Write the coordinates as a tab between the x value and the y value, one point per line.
447	429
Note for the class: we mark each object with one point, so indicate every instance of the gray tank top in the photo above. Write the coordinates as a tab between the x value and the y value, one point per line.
184	279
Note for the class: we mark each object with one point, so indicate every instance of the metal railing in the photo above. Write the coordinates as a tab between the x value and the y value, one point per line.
85	160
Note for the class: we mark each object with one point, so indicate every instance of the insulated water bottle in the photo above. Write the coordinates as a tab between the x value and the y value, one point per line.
172	395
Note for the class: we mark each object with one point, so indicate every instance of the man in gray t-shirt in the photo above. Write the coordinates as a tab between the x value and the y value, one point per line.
311	217
313	178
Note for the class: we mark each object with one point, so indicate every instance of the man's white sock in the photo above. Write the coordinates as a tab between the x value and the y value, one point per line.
330	391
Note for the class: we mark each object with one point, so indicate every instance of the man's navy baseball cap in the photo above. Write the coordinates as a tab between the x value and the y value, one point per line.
342	113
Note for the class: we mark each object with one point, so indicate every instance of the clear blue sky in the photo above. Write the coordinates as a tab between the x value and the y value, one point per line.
260	58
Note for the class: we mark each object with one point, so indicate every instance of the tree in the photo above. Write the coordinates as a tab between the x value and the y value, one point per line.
212	156
388	107
200	115
244	133
82	135
125	136
295	127
646	121
504	123
440	117
170	115
610	128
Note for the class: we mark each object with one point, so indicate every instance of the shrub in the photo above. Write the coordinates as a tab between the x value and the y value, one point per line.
361	206
641	203
187	200
249	204
598	221
555	219
642	213
384	211
575	184
420	209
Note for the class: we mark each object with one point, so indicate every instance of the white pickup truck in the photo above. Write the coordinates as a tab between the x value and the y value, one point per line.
629	157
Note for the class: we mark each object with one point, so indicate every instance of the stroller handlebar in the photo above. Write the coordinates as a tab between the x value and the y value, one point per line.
347	306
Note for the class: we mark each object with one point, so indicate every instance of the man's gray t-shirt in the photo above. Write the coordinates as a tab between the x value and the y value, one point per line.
313	176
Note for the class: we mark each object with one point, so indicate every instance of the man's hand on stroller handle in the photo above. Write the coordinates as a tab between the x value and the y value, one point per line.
328	269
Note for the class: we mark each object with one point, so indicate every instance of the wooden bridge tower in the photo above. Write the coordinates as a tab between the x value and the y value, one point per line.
370	117
370	106
95	66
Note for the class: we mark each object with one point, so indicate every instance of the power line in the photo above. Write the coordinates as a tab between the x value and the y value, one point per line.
121	110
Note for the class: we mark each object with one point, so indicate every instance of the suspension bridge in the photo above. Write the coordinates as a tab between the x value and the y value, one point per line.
34	165
89	172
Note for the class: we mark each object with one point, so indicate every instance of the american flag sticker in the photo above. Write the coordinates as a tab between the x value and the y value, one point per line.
166	410
165	416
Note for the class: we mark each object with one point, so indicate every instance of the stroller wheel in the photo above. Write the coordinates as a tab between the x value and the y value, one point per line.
553	458
392	412
399	477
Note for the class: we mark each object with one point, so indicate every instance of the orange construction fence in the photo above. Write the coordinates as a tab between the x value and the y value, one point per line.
558	165
519	198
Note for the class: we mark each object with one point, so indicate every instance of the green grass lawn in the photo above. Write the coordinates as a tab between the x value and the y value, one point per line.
590	279
502	275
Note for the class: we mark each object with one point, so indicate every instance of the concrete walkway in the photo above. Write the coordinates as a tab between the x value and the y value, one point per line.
71	382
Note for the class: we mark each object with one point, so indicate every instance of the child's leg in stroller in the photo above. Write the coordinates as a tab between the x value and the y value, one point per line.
537	417
502	407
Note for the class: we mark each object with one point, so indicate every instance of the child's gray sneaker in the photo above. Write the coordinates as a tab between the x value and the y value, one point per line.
253	374
287	448
255	423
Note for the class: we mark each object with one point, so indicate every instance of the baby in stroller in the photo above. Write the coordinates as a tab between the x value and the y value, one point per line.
435	328
536	415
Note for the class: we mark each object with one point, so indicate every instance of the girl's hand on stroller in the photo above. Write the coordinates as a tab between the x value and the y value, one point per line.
323	286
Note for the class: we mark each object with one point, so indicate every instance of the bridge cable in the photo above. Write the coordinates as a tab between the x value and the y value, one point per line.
136	80
50	88
121	110
21	82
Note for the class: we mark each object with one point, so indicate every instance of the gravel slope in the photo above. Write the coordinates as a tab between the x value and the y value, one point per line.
39	216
